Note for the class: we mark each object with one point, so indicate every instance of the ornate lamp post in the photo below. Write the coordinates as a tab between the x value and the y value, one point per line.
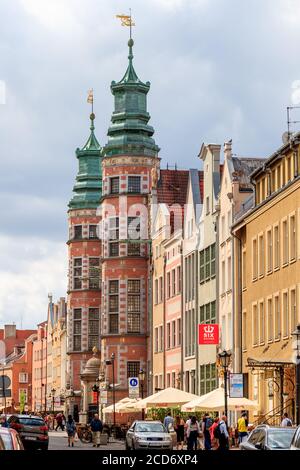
96	389
53	395
112	363
224	360
296	335
142	376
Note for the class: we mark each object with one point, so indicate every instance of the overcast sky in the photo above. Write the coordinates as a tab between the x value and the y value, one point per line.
219	69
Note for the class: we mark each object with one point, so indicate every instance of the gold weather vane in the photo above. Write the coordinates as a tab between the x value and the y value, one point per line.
90	98
126	20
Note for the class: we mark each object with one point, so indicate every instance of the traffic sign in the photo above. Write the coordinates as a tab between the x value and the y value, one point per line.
134	387
103	397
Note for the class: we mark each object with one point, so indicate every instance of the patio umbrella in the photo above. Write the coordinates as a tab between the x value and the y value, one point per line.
215	401
167	398
126	405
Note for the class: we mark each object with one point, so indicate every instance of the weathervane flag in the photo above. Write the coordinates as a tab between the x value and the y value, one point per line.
126	20
90	98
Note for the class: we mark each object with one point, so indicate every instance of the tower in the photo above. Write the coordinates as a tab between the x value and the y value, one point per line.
84	252
129	160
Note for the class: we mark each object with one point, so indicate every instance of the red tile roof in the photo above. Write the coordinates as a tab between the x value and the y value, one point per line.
19	340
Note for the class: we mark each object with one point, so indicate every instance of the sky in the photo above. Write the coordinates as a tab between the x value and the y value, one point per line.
219	70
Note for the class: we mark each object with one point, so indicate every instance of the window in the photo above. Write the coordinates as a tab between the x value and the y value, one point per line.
133	368
93	231
261	257
223	276
276	247
254	259
293	307
179	332
285	314
114	185
208	313
77	329
254	325
208	378
173	379
174	333
113	306
168	335
168	380
161	289
94	328
244	269
77	232
133	305
173	282
161	338
156	340
277	318
168	285
285	242
113	235
293	240
208	263
270	320
77	273
23	377
178	279
229	280
244	331
156	291
261	323
269	251
134	184
94	273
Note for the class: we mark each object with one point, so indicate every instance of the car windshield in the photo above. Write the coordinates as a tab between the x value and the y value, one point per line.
31	422
280	438
6	438
149	427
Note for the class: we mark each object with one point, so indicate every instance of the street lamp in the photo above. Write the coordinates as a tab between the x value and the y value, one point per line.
224	360
296	335
96	389
112	363
142	376
53	395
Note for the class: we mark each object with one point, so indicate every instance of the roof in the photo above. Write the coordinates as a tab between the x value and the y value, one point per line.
172	187
19	340
244	167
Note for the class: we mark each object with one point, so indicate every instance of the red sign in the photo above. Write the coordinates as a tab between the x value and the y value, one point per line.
208	334
95	397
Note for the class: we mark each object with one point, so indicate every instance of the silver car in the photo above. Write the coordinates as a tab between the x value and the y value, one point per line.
148	435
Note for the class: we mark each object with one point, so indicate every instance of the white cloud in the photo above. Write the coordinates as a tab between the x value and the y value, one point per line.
29	269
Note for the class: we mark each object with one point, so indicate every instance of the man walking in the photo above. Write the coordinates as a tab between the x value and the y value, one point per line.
59	422
221	433
96	428
207	423
168	420
242	426
286	421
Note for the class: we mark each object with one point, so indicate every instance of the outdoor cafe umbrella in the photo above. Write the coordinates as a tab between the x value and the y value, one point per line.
126	405
167	398
215	401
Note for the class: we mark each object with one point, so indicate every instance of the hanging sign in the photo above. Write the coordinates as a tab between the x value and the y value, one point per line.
208	334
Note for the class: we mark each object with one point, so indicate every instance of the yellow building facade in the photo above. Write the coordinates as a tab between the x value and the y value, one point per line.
267	284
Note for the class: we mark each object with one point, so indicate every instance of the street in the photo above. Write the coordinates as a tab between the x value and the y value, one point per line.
58	441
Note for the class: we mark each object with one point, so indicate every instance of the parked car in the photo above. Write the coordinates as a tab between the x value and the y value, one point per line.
265	437
32	430
148	435
11	439
2	446
295	444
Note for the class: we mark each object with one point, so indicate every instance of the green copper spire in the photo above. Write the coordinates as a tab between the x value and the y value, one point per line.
88	187
129	132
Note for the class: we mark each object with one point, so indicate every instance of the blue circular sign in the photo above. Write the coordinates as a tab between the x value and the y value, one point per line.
133	382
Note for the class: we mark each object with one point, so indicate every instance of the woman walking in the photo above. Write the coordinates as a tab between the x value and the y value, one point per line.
71	430
193	432
179	428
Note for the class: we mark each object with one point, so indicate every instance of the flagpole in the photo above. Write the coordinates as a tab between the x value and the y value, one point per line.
130	25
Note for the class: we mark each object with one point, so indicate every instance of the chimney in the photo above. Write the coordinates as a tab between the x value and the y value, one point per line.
10	331
228	149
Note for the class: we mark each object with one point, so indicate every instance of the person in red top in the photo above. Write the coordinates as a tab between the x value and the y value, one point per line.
214	443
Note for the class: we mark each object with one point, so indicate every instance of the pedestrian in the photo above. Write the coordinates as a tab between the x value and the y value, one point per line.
59	422
63	421
4	422
286	421
207	423
221	433
214	441
71	430
179	428
242	426
193	432
168	420
96	428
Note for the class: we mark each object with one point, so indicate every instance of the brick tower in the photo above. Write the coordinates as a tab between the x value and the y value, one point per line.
130	160
84	252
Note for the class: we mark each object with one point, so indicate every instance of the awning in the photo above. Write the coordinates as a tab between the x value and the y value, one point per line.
126	405
215	401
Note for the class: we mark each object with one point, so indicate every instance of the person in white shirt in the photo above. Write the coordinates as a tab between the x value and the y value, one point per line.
286	421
